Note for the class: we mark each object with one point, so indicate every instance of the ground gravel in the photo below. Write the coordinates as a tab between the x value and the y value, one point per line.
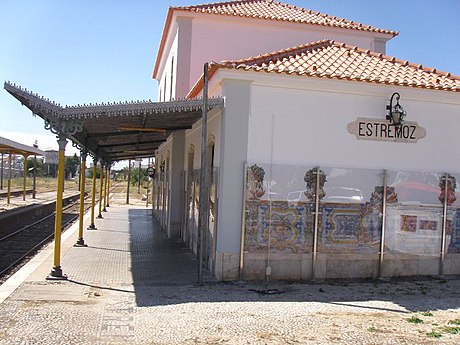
383	312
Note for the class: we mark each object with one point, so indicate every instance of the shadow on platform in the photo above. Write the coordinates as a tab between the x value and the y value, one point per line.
162	271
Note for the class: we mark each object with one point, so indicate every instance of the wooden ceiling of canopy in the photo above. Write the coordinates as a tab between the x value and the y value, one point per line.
118	131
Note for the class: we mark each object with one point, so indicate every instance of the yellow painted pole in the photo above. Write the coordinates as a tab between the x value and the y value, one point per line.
24	178
101	187
147	199
129	181
93	196
80	240
34	190
139	177
56	271
105	188
9	180
1	174
108	187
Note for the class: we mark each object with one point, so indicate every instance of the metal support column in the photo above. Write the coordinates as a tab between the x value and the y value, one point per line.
80	240
8	198
129	182
147	198
316	228
105	188
56	271
444	224
101	187
139	177
243	221
34	188
93	195
1	177
24	176
204	198
384	217
108	187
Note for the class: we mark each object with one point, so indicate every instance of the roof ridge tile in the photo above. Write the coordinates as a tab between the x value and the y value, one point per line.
276	10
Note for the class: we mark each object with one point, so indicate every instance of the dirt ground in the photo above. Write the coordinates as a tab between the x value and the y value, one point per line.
393	312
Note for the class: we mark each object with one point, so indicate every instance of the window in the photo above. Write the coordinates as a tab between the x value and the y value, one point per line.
171	79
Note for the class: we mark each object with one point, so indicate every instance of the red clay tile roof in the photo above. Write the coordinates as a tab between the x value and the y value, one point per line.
274	10
270	10
330	59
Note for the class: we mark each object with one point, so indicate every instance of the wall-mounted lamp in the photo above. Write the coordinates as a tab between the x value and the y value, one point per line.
396	113
162	166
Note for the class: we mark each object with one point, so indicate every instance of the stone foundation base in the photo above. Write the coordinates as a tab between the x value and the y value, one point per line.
299	267
227	266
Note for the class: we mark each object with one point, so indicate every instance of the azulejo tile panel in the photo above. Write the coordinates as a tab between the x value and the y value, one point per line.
453	229
278	225
288	228
349	228
280	217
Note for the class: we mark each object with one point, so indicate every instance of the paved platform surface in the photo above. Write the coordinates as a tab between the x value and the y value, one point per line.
131	285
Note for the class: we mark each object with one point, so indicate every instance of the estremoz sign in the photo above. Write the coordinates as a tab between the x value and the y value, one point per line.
382	130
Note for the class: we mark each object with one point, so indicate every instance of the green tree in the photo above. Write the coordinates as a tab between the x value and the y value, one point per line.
137	174
98	172
71	165
40	166
121	175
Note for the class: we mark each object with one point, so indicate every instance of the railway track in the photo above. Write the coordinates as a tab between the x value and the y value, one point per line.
18	246
21	245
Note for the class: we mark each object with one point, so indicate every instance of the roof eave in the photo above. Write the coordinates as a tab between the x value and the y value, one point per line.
18	148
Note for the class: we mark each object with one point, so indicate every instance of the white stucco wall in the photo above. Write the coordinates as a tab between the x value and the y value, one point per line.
303	121
272	118
162	155
311	117
197	38
193	137
164	85
218	38
177	147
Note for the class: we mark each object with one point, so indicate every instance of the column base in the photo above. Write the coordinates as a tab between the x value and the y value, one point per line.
56	274
80	243
100	216
104	210
91	227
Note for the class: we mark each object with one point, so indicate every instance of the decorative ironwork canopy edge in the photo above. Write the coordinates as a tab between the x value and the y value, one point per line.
42	105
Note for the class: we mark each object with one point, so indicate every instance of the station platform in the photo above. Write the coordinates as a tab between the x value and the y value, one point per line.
127	253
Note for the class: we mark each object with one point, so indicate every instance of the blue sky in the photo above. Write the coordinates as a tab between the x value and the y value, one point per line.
88	51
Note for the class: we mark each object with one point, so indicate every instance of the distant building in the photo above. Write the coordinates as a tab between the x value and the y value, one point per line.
51	157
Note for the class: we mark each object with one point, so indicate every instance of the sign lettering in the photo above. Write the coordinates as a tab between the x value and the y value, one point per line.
382	130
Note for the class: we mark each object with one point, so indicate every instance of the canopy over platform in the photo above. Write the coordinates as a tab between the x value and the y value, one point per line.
115	131
10	146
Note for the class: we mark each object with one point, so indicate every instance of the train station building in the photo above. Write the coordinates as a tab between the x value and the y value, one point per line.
324	156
